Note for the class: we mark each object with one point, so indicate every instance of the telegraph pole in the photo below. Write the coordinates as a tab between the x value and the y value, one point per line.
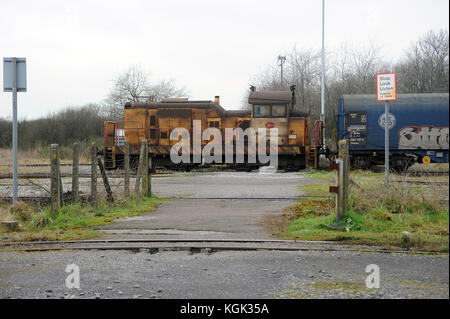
322	100
281	60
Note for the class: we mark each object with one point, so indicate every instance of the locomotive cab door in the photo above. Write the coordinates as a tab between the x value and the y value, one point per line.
169	119
109	130
296	131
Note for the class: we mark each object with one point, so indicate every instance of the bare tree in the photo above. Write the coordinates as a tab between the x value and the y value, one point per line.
133	85
366	63
304	67
426	65
353	71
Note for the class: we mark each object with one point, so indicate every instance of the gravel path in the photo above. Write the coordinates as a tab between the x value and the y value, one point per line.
262	274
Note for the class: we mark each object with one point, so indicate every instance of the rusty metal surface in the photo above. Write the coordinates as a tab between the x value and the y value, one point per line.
196	245
184	113
334	166
177	105
270	97
240	113
334	189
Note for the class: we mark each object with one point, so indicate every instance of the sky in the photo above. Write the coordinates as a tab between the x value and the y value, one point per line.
75	49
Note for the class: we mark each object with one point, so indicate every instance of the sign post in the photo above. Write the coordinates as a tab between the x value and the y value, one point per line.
386	91
14	80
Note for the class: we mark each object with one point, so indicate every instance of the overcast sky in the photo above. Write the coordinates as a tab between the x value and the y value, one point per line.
75	49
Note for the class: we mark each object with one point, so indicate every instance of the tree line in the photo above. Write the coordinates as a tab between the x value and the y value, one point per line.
83	123
67	126
350	70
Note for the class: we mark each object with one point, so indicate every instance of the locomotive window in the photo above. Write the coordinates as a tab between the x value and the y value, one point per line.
152	120
214	124
278	110
261	110
152	133
163	134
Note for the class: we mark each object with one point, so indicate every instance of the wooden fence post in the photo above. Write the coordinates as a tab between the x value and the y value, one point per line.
140	168
109	195
126	149
145	169
75	164
149	175
60	185
54	178
94	175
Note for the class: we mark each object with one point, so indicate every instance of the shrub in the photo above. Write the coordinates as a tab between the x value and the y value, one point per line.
21	211
40	220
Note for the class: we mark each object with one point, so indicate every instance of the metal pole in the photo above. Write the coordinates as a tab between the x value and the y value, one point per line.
14	128
386	145
281	59
322	110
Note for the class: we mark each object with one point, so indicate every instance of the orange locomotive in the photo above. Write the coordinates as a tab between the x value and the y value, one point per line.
154	122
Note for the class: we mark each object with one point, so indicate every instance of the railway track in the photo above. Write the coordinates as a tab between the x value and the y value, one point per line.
426	173
26	199
47	176
83	175
40	165
46	199
423	182
191	245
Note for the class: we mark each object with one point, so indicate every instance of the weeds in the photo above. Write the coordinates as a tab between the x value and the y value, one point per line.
74	221
66	151
41	153
21	211
409	216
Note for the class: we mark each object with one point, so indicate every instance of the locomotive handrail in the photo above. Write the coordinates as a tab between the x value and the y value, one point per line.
317	131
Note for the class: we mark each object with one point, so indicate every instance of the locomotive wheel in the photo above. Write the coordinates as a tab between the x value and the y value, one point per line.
359	162
134	163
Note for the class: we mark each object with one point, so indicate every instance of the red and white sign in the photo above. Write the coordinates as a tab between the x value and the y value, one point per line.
386	86
270	124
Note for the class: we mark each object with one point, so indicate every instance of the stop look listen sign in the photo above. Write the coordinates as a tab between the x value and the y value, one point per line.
386	91
386	86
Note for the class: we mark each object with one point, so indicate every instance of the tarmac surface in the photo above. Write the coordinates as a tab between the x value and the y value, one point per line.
241	203
224	205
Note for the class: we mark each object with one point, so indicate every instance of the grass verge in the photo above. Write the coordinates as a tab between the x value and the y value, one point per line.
74	221
411	217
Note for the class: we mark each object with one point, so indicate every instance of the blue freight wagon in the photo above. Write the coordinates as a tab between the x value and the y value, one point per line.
418	129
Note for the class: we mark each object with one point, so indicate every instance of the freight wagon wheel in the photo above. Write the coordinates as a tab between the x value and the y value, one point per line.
359	162
401	164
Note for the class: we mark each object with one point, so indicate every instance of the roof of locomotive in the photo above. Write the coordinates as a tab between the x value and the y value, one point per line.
183	103
270	97
178	105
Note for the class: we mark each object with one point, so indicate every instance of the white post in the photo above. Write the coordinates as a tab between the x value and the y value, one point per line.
14	130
